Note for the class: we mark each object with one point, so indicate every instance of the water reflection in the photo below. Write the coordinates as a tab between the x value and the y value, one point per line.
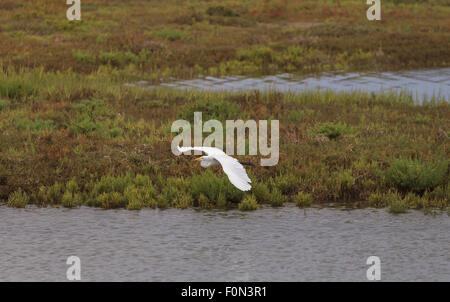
420	84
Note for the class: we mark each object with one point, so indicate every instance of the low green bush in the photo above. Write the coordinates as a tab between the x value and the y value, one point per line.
288	184
71	200
204	202
37	125
303	200
398	206
248	203
169	34
333	130
18	199
414	175
212	186
4	104
15	89
261	192
183	201
277	199
341	184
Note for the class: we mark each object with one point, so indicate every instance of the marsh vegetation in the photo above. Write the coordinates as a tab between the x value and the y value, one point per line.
71	140
71	132
182	39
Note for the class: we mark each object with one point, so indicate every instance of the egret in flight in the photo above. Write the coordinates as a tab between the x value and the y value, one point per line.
231	166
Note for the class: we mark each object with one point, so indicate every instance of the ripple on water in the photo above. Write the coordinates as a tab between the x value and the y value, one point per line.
420	84
285	244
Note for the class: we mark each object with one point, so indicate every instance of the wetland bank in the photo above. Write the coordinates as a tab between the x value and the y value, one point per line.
72	134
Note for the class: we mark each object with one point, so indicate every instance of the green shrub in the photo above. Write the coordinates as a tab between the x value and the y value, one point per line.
340	184
37	125
118	58
415	201
183	201
135	205
72	186
4	104
398	206
111	200
115	132
142	195
83	57
109	184
15	88
123	191
333	130
221	201
277	199
421	119
169	34
92	115
204	202
303	200
381	200
54	193
18	199
259	55
414	175
111	58
248	203
211	185
261	192
439	193
71	200
168	196
84	124
287	184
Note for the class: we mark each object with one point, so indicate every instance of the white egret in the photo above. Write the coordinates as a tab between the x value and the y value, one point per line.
231	166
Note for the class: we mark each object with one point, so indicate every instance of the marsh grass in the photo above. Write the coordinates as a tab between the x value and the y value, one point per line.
4	104
18	199
92	142
414	175
398	206
67	118
183	39
333	130
303	200
248	203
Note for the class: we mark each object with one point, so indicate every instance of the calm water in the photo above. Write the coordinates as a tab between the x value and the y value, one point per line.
284	244
421	84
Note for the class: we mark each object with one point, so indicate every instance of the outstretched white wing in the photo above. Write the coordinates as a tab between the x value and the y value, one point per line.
233	169
211	151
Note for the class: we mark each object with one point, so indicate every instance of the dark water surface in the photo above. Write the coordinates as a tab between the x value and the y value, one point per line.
271	244
420	84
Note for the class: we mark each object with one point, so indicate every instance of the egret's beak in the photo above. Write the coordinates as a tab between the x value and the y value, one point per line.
198	158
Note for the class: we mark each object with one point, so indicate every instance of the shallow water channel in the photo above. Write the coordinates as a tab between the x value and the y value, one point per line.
271	244
420	84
